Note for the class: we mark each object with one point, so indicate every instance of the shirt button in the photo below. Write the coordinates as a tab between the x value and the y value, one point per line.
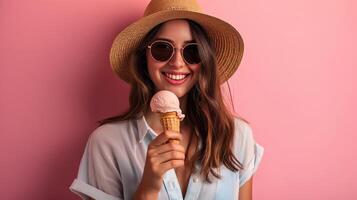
195	179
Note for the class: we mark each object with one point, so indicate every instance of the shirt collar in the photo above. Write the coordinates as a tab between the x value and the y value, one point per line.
144	129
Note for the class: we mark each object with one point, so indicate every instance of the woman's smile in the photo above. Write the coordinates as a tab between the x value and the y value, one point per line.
176	78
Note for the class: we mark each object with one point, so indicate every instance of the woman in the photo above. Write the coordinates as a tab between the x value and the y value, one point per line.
173	47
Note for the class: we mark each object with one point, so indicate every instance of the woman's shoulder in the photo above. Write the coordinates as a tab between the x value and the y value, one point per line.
245	146
243	134
242	127
111	132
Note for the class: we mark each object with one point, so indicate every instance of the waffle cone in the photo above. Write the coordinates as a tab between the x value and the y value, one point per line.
170	121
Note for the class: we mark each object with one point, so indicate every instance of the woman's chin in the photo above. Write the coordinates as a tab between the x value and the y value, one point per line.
177	90
179	93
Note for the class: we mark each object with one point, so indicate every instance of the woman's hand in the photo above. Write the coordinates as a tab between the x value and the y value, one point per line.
162	155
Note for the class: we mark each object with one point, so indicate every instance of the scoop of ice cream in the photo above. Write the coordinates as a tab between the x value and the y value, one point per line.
165	101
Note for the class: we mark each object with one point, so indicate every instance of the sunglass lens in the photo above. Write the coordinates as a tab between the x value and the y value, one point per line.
161	51
191	55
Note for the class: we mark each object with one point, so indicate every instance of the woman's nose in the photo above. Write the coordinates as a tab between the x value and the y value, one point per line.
177	59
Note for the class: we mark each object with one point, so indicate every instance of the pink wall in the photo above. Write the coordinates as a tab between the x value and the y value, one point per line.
296	85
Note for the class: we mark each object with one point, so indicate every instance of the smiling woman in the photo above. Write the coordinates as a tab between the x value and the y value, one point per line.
176	48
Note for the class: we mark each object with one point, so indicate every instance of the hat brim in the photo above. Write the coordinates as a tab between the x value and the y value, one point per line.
226	40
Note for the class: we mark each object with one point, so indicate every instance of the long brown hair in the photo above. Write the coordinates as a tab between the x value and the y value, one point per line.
208	113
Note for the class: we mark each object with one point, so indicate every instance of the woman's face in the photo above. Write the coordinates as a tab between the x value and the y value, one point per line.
175	74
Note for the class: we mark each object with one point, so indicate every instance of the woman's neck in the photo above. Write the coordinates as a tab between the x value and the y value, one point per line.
183	102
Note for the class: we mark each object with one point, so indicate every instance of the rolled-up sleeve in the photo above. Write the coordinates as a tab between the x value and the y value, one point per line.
98	175
249	152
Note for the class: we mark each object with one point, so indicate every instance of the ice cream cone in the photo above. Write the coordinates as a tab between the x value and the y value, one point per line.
170	121
168	105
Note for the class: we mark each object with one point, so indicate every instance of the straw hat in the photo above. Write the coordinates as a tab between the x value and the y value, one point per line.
225	38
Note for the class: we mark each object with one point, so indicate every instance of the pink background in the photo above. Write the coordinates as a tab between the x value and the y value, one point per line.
296	85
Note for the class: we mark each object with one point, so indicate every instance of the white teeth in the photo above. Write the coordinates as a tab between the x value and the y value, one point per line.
175	77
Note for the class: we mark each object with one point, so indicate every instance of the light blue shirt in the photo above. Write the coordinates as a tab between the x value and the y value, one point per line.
114	158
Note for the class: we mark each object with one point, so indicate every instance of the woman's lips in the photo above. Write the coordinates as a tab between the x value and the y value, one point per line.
175	82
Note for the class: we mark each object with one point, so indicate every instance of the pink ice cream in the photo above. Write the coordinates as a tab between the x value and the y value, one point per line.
165	101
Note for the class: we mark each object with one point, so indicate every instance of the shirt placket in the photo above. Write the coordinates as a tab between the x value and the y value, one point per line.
172	185
194	185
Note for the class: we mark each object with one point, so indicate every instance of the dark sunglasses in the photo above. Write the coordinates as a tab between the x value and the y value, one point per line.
162	51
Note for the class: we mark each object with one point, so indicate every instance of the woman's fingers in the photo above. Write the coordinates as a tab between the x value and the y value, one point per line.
164	137
165	157
172	164
165	148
